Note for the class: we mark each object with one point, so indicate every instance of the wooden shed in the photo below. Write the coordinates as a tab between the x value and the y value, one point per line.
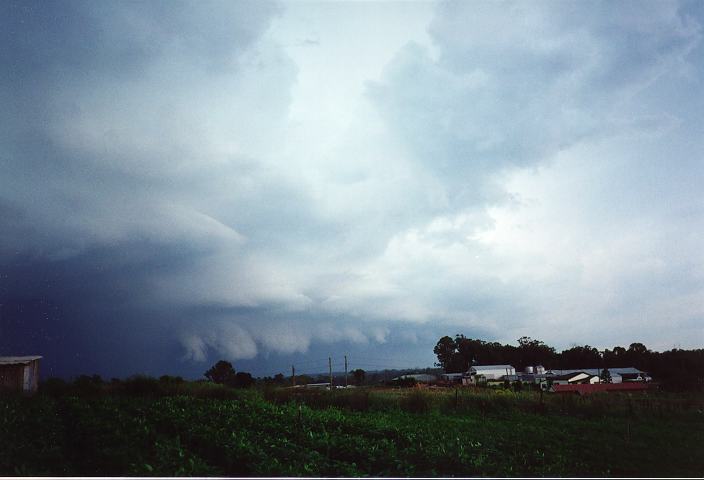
19	374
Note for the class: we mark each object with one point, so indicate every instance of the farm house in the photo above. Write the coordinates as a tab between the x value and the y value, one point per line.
20	374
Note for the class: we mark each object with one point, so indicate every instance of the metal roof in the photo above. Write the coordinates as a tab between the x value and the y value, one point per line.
597	371
421	377
491	367
569	376
18	360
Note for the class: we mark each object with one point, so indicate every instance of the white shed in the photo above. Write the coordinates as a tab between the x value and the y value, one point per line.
492	372
574	377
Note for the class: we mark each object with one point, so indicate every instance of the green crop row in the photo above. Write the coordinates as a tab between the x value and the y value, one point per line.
248	435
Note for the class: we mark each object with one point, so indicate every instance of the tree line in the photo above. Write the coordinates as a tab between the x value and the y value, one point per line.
676	369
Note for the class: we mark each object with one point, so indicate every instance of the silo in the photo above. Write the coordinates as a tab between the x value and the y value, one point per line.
529	370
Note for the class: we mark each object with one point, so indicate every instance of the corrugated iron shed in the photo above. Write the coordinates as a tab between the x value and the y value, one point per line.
480	368
19	374
597	371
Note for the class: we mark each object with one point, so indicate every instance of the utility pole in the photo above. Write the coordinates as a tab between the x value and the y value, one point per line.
330	367
345	371
293	375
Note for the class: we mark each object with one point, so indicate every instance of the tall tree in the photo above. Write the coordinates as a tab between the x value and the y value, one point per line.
241	380
534	352
446	351
222	372
358	376
580	357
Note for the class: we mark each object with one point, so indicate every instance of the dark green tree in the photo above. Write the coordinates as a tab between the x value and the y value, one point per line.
446	351
580	357
222	372
638	356
532	352
619	351
358	376
638	348
468	350
241	380
605	376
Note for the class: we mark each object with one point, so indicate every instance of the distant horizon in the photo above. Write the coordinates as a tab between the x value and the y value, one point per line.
287	371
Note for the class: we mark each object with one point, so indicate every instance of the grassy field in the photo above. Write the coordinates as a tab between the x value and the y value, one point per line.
357	433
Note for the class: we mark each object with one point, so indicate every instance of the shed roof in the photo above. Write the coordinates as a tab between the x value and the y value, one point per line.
571	375
18	360
421	377
491	367
597	371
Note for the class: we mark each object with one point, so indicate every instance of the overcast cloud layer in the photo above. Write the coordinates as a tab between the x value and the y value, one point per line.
182	182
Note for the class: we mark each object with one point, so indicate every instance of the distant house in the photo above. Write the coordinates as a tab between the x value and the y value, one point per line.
19	374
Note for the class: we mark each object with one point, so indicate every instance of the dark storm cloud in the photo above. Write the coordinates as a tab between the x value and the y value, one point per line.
86	225
119	38
140	207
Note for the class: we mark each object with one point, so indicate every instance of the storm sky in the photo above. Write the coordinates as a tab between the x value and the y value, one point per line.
274	183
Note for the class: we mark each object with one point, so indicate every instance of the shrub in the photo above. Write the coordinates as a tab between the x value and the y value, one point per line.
416	402
142	385
54	387
358	400
168	379
88	386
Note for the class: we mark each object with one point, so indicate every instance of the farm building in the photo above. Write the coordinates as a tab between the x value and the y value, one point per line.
452	377
321	385
618	374
20	374
480	373
497	374
530	375
574	378
492	372
418	377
